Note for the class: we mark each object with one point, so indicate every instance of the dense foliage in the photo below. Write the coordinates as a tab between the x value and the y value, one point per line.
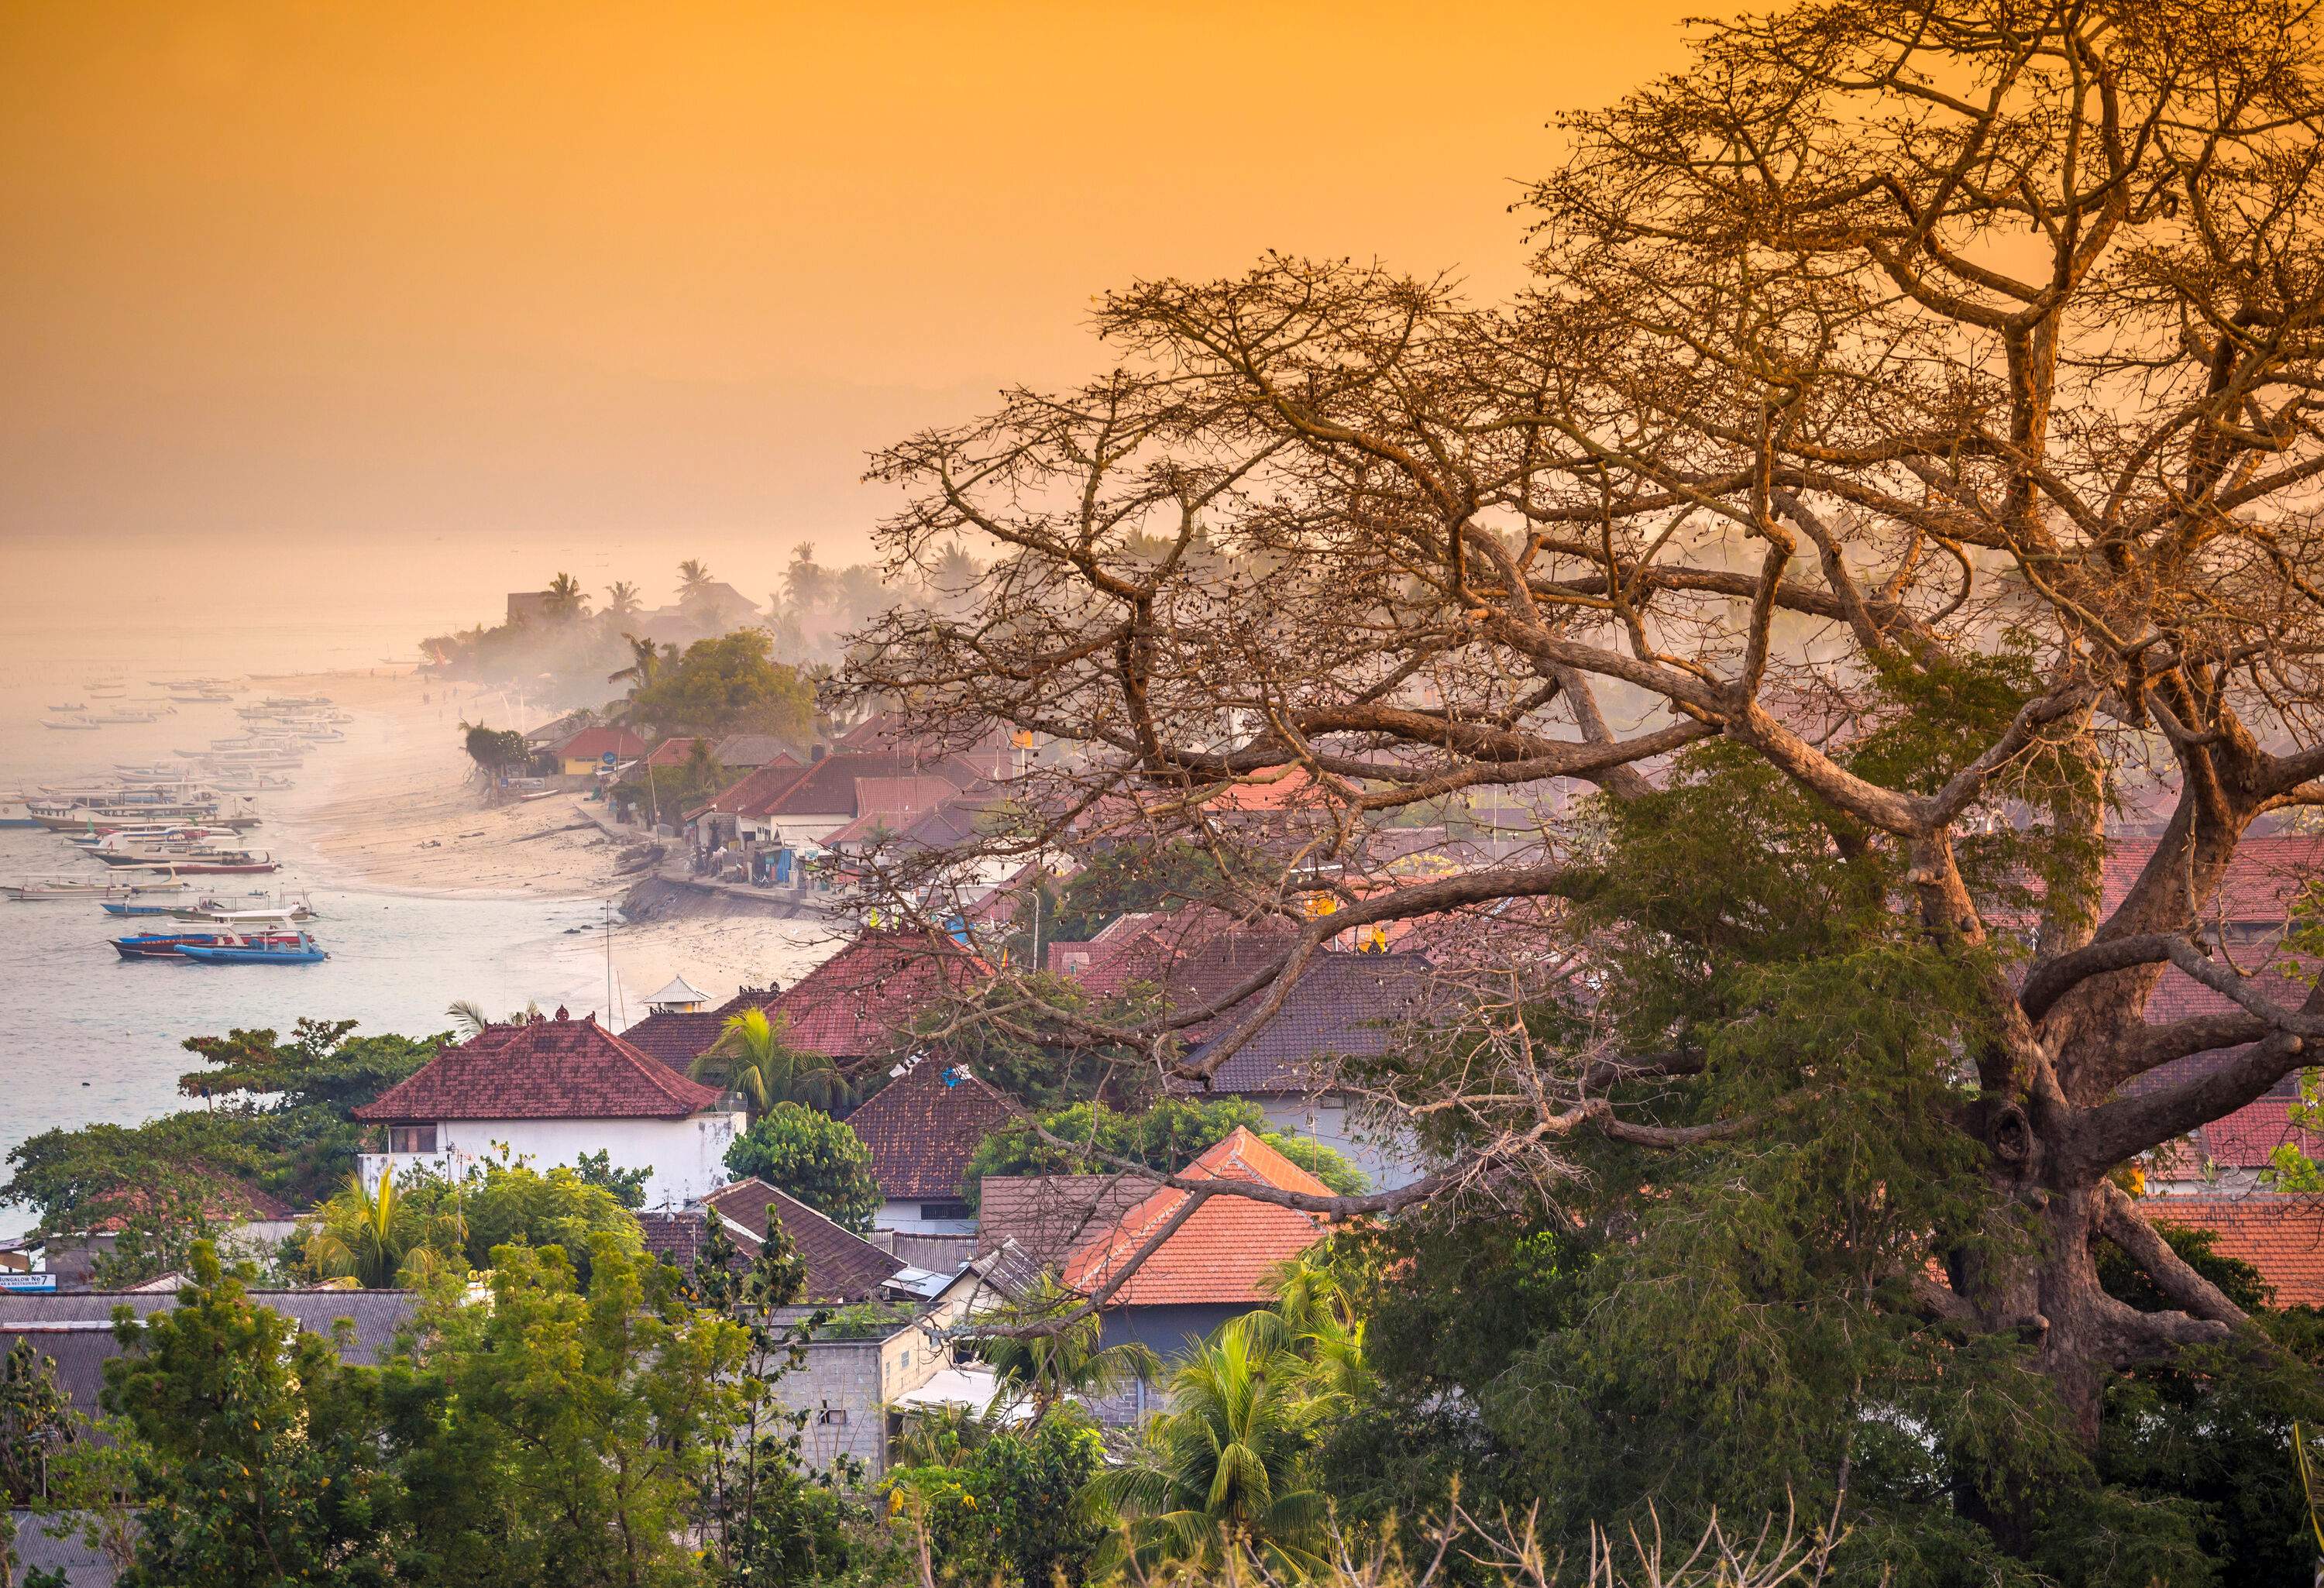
728	685
806	1154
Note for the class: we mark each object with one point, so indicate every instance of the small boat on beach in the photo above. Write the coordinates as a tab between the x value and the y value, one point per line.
76	706
15	812
136	906
274	948
78	725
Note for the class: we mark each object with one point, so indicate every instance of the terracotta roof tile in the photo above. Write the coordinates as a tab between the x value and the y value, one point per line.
2281	1236
923	1126
541	1069
854	1004
1224	1251
2267	869
1049	1217
590	744
841	1265
680	1037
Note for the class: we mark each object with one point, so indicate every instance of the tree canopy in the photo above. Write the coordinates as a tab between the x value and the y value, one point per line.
1900	460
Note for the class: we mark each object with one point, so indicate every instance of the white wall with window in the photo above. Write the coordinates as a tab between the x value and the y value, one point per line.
687	1156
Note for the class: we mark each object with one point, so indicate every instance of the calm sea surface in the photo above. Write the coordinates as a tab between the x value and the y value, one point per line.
87	1036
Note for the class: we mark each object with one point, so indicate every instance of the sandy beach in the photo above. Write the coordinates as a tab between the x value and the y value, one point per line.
396	809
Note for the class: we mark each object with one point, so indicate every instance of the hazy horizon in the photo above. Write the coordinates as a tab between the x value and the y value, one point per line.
366	316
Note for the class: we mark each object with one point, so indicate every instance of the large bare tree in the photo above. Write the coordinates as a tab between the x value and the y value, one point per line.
1884	339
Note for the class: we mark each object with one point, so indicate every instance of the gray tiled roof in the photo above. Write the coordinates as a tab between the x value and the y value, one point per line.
1343	1006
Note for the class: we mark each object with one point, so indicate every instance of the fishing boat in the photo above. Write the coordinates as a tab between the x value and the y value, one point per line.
273	948
218	912
76	706
33	890
145	907
77	725
195	860
14	812
112	718
165	945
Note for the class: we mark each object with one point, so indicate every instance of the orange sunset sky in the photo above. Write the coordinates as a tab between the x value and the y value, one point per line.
410	303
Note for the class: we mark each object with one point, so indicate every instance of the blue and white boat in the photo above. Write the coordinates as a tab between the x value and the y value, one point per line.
275	948
134	908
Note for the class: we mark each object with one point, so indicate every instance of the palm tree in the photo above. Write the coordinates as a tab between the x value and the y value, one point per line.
646	661
752	1057
379	1239
1047	1367
567	600
693	579
468	1017
1222	1468
622	599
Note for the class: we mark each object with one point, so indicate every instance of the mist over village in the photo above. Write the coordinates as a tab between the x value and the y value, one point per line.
1014	797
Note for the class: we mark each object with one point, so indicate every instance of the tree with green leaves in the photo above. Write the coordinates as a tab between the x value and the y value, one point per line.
622	600
1223	1468
1901	458
805	1153
256	1456
729	684
750	1057
1010	1507
382	1238
1047	1347
497	751
559	1436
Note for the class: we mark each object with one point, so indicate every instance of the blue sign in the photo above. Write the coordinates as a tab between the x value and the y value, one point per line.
15	1281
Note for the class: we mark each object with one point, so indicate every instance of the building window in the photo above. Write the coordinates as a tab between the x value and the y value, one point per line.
411	1137
933	1211
835	1415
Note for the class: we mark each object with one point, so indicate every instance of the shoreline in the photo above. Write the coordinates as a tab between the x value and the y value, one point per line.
394	811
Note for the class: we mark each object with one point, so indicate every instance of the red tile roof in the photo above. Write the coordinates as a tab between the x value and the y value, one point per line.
2267	871
1050	1216
853	1005
2281	1236
590	744
923	1126
541	1069
745	795
1342	1006
680	1037
836	786
1223	1254
841	1265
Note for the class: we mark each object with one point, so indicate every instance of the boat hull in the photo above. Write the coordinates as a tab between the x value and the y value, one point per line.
207	955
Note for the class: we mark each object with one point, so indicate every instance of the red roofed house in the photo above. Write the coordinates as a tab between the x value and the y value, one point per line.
854	1006
678	1034
1211	1268
922	1128
548	1091
2281	1236
585	752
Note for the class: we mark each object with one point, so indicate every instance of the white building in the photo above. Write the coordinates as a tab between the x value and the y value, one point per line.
545	1092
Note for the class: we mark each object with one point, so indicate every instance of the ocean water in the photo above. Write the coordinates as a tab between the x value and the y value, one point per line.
87	1036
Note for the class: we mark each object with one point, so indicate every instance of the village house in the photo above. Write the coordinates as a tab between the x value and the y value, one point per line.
585	754
1215	1266
545	1092
884	1344
922	1129
855	1007
1346	1007
789	814
679	1031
